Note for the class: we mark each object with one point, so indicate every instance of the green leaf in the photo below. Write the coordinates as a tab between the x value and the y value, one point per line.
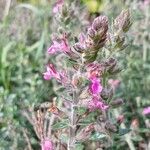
64	138
60	125
79	147
137	138
5	52
124	131
144	130
97	136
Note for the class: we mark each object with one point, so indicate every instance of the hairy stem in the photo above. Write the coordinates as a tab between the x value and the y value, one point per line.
72	129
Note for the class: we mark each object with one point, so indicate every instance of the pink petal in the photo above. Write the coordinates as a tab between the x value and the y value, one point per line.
47	144
95	86
146	111
46	76
58	6
81	38
96	103
55	47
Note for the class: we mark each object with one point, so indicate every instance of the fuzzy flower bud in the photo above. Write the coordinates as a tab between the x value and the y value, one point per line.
117	102
110	63
123	21
110	127
111	66
85	133
100	24
78	47
107	93
120	119
96	38
77	81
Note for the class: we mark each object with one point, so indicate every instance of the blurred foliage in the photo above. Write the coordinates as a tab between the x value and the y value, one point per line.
24	38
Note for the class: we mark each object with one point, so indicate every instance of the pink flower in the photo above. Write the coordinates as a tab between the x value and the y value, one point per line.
58	6
95	86
47	144
51	72
55	47
146	111
62	46
96	103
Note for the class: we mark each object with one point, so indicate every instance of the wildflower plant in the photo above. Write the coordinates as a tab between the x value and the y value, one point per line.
83	70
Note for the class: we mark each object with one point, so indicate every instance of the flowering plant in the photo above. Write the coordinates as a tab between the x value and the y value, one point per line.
81	111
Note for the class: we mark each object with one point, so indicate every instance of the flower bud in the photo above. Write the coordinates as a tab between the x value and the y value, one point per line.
96	38
100	23
85	133
78	47
107	93
110	127
115	70
76	81
123	21
120	119
111	62
64	11
135	123
116	103
110	65
101	119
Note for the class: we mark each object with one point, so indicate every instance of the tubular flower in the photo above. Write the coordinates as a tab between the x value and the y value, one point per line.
61	46
58	6
96	103
95	86
52	73
146	111
47	145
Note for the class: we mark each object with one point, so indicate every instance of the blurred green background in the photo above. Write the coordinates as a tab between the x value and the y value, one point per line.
25	30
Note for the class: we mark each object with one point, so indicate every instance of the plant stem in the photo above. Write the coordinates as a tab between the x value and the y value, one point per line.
7	7
72	129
